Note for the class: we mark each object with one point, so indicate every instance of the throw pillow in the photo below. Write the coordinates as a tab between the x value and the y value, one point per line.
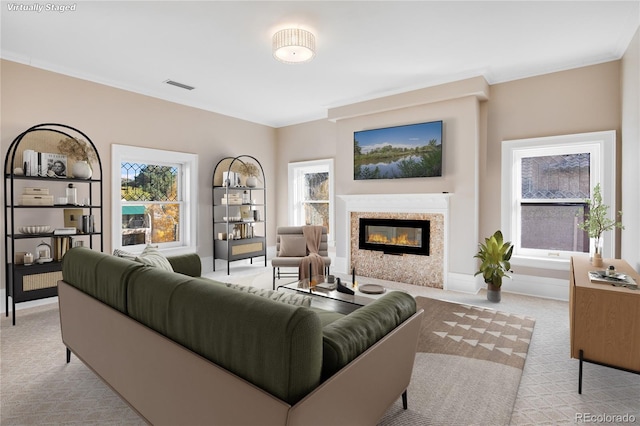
292	246
278	296
124	254
151	256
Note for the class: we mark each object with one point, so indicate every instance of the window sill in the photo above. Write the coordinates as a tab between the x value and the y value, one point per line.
540	263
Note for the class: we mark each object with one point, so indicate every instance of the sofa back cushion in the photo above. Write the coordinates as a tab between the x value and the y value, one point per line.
279	296
149	295
101	276
346	338
276	346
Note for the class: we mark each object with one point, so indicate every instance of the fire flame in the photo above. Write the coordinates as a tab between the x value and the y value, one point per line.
401	240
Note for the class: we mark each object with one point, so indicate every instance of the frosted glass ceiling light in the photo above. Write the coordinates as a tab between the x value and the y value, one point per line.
293	46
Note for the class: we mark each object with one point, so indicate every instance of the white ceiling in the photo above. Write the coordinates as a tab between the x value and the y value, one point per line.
365	49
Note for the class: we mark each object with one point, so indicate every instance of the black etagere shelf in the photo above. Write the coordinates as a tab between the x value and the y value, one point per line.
241	238
39	280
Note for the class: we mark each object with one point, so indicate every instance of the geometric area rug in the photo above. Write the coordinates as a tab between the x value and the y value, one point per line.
467	368
475	332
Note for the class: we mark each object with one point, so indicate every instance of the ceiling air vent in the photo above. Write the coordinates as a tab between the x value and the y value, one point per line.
180	85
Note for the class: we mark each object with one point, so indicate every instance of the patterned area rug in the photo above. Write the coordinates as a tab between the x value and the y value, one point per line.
468	366
474	332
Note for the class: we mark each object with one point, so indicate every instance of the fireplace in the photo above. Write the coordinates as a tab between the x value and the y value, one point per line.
394	236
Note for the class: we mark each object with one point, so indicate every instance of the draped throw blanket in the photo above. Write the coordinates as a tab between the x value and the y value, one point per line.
313	261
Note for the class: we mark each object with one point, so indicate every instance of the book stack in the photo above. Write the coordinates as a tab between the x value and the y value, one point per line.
242	230
44	164
60	246
232	199
615	279
65	231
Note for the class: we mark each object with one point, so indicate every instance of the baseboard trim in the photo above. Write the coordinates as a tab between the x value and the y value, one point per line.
25	305
463	283
546	288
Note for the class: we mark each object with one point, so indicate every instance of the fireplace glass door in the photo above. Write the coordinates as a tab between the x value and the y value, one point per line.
394	236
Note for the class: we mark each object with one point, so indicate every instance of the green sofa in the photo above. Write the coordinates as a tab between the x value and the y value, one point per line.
182	349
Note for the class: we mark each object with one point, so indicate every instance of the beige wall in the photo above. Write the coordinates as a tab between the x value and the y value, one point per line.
631	153
111	116
315	140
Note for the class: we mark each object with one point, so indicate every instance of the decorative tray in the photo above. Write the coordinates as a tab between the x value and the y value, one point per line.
371	289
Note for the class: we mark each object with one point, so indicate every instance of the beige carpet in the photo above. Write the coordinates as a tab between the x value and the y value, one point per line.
467	368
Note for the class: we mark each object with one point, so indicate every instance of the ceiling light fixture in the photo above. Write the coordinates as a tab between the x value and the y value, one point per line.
294	46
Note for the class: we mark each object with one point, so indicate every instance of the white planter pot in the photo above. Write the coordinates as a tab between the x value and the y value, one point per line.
252	181
81	170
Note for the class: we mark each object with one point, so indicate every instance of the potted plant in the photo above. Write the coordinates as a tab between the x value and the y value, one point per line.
495	255
596	222
251	172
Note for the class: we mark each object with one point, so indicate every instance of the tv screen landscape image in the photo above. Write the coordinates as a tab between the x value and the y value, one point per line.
409	151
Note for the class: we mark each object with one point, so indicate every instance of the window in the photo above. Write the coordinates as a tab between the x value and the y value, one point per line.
544	184
311	194
153	199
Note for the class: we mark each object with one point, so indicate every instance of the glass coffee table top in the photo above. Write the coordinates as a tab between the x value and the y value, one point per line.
356	300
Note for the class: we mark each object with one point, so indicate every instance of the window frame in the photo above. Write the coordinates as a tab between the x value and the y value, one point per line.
187	191
314	166
600	146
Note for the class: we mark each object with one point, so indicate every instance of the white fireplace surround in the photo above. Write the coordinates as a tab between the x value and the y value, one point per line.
436	203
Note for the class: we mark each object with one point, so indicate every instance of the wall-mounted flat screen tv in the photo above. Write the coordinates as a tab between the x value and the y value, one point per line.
409	151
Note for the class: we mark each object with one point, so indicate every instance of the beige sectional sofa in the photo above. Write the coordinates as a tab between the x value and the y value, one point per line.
187	350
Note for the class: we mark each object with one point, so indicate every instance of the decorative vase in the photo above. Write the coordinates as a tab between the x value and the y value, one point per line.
493	293
252	182
81	170
597	260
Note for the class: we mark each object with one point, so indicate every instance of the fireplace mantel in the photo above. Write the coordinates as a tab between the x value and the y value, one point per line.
407	206
402	203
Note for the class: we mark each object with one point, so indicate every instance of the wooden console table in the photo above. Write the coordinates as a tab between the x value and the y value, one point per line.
604	319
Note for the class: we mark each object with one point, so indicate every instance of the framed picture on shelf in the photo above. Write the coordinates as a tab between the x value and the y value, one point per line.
73	218
56	163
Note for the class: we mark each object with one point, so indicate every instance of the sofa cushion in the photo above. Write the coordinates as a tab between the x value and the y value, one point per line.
151	256
326	317
279	296
348	337
292	246
149	293
187	264
100	276
276	346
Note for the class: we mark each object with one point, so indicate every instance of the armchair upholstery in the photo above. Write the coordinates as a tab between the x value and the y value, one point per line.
289	253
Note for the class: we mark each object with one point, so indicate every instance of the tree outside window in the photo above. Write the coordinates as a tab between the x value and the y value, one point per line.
153	190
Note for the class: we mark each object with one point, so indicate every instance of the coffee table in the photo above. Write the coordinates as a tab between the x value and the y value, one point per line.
333	300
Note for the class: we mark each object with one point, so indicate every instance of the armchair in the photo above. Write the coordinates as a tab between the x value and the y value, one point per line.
291	248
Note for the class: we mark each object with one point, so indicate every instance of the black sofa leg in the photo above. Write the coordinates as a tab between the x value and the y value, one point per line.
68	355
404	400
